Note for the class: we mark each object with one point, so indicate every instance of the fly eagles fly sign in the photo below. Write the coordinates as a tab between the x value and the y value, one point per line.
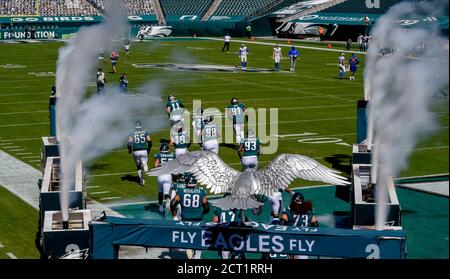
251	238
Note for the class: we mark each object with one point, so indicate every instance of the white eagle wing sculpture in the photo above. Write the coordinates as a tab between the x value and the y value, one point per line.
286	167
211	171
206	166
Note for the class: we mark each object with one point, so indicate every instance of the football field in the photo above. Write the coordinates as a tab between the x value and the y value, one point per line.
316	110
316	116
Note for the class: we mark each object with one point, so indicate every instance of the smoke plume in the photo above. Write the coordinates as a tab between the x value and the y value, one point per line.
406	66
89	126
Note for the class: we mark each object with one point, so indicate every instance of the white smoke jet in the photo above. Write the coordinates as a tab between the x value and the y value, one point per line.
87	127
401	86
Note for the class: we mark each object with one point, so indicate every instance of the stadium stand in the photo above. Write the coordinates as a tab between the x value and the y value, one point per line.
240	7
66	8
359	7
272	7
134	7
185	7
69	7
17	7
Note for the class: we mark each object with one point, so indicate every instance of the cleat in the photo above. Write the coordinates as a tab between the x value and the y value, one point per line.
144	166
161	208
167	209
142	182
190	253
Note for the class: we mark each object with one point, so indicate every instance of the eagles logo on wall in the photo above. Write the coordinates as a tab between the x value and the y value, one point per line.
155	31
302	30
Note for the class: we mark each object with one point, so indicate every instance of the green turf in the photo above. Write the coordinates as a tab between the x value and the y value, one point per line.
18	227
311	100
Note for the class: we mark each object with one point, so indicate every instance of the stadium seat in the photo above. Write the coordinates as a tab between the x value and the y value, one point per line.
185	7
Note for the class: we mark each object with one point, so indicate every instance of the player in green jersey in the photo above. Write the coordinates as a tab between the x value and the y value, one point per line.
194	205
140	143
249	150
237	112
174	109
165	180
299	214
179	139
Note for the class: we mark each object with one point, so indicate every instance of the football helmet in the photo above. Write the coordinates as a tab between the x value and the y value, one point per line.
181	177
208	119
138	124
164	147
190	181
234	101
298	198
250	133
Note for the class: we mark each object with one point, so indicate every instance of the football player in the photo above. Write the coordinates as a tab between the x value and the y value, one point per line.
237	112
140	144
114	58
249	150
276	203
243	51
221	216
179	139
101	81
197	124
101	56
165	180
353	62
342	68
123	83
194	205
126	47
299	214
174	109
293	54
210	135
180	182
277	55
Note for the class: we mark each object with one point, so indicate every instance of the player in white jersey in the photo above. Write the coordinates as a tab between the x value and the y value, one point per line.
179	139
277	56
126	47
243	51
276	203
197	125
342	69
210	134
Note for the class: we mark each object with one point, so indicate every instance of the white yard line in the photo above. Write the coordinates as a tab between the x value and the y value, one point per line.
90	187
23	112
24	153
110	198
11	255
433	147
99	193
33	161
16	150
24	124
18	103
285	45
24	139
